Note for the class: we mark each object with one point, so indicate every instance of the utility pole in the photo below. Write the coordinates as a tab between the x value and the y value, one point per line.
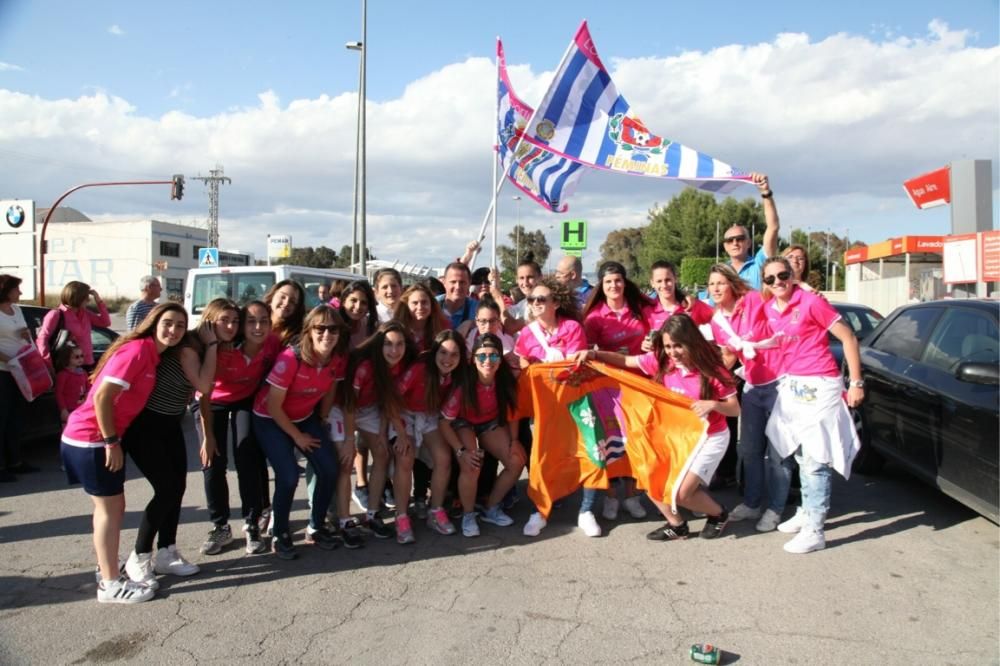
517	227
213	180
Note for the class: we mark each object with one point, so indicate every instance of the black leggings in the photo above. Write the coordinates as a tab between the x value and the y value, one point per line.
155	442
251	466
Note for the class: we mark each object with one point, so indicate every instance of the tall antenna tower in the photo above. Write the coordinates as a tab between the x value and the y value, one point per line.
213	180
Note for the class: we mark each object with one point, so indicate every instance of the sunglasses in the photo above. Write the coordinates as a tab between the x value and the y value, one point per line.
541	300
326	328
770	279
734	239
492	357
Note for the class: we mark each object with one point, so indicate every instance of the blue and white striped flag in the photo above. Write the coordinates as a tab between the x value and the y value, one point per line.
583	117
543	176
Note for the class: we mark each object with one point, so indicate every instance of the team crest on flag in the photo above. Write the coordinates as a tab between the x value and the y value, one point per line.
630	134
598	417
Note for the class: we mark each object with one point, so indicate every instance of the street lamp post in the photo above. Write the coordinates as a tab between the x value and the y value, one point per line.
517	232
356	46
360	161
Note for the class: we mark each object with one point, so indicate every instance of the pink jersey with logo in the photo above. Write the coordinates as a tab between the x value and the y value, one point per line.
656	314
412	385
237	376
804	322
613	332
688	383
486	395
568	338
750	324
133	367
305	385
364	382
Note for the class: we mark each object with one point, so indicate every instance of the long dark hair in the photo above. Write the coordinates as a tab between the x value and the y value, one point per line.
390	400
145	329
634	299
289	328
505	383
668	265
432	390
371	319
705	357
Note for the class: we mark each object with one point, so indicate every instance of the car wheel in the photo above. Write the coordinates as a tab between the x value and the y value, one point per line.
868	460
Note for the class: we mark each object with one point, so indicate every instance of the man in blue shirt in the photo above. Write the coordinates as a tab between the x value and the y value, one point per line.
456	302
737	242
569	271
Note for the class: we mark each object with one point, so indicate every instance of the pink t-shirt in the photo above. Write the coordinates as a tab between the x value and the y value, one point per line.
71	388
750	324
688	383
412	385
237	376
133	367
656	314
364	382
612	332
804	322
568	338
486	396
305	384
78	321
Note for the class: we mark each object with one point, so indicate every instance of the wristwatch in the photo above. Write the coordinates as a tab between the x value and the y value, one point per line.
767	195
112	440
857	383
459	452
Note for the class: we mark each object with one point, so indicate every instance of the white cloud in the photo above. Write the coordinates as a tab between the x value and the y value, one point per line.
115	30
837	123
9	67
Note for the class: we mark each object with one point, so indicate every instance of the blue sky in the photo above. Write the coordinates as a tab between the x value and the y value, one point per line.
181	67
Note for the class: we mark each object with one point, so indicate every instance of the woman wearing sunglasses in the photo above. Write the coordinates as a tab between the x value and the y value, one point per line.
285	418
739	327
810	419
616	318
476	418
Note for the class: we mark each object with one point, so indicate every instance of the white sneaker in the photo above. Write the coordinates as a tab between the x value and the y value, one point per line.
536	523
795	523
170	561
588	523
121	571
470	527
769	521
139	569
610	511
806	541
123	591
743	512
634	507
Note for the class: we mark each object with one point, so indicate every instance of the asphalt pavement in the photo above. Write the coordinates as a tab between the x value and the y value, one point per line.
908	576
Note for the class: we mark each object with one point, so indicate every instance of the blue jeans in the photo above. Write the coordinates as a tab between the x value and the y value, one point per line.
815	478
758	402
280	451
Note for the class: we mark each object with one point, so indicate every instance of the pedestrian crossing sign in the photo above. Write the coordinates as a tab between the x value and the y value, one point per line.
208	257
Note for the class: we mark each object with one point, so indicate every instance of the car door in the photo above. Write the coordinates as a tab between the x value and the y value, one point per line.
890	409
965	436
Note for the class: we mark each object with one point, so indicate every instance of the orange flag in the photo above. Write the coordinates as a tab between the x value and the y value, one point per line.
588	418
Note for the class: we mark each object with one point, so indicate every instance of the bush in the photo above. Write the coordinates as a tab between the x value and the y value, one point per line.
694	271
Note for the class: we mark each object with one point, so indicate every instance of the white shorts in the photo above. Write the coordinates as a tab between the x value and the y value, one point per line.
709	455
336	421
418	424
368	419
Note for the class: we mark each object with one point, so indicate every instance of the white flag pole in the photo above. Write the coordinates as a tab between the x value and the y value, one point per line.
496	154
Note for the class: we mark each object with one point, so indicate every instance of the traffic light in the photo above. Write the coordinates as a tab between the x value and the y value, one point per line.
177	191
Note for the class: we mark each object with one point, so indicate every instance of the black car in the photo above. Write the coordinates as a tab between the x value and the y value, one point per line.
931	373
42	421
860	318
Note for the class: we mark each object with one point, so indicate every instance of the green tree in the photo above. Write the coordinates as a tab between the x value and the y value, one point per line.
532	246
343	259
622	245
320	257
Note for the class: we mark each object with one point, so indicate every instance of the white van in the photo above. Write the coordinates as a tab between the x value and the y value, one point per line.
247	283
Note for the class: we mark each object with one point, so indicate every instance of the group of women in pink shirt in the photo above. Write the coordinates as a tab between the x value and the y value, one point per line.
277	383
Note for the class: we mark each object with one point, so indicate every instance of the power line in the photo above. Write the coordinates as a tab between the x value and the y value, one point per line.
213	180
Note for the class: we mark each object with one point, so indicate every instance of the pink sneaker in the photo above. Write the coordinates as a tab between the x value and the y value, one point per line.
404	531
437	520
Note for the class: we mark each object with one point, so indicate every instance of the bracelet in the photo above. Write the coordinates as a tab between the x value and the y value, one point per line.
212	343
767	195
459	451
111	440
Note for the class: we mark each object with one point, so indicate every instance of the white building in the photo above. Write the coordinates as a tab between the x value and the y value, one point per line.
112	256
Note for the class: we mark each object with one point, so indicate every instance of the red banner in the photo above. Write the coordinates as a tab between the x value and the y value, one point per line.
930	189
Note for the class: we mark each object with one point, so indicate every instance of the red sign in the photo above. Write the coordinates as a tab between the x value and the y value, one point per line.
989	262
931	189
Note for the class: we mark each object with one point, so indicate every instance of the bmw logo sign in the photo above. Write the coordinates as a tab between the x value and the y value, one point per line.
15	216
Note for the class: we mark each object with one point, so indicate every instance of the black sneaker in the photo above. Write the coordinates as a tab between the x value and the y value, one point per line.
281	545
322	538
255	545
379	528
714	525
670	532
351	535
220	537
